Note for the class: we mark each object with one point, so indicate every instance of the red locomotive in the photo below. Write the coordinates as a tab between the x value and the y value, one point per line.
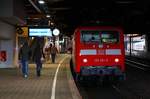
98	51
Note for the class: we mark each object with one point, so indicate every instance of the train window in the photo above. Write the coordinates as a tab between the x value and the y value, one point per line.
90	36
110	36
99	36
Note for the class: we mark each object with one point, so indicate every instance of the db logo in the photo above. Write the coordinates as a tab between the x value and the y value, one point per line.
3	56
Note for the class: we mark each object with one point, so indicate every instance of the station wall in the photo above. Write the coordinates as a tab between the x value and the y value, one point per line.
7	44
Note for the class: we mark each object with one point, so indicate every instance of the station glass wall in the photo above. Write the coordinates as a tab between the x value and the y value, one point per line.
135	44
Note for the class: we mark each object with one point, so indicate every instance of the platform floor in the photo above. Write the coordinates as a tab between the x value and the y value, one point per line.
14	86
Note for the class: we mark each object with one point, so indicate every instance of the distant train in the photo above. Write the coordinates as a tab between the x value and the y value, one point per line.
98	51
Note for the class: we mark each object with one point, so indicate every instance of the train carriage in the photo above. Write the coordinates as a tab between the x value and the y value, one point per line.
98	51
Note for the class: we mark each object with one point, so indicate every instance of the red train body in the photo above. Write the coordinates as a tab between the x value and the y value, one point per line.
99	51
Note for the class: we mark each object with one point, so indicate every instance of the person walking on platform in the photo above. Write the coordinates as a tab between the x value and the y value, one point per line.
47	52
37	55
24	57
53	51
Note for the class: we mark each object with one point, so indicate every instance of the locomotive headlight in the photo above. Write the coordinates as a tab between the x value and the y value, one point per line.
116	60
85	60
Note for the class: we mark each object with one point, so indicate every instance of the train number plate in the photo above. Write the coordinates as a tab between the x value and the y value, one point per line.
100	60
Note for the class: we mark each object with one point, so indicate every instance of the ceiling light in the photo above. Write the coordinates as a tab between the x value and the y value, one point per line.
124	2
48	16
41	2
51	23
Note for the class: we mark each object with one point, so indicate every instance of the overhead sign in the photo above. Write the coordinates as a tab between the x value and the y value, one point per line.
40	32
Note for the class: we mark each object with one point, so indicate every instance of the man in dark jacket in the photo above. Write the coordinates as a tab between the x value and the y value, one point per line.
37	55
24	57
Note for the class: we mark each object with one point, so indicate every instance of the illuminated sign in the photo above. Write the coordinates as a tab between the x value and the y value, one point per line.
22	31
40	32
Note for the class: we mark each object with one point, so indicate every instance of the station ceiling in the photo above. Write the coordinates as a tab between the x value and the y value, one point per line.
132	15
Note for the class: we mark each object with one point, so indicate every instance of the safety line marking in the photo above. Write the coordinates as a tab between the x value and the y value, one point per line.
55	79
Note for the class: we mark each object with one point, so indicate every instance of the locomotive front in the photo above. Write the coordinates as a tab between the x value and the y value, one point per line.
99	51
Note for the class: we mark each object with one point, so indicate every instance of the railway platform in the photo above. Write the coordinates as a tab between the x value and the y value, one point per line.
55	82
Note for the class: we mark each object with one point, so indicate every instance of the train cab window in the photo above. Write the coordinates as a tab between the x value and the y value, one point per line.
90	36
110	37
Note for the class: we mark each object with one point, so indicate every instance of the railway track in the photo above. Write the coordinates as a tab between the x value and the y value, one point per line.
126	92
133	88
139	65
